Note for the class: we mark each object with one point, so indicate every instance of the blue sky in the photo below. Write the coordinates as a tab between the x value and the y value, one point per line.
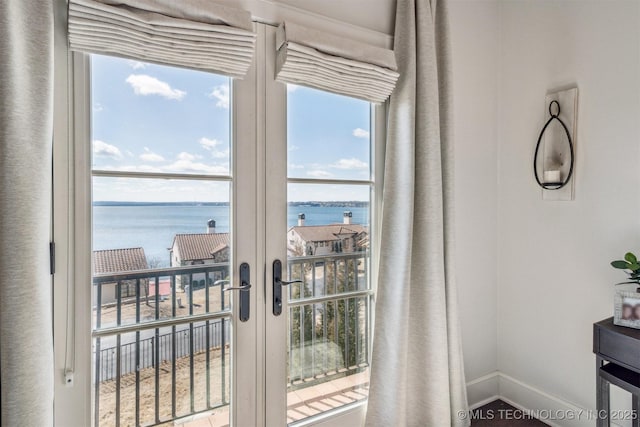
148	117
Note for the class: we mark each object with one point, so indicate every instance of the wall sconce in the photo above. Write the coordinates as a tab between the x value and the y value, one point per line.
556	144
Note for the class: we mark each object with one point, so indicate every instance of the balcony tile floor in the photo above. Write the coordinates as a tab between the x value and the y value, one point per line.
302	403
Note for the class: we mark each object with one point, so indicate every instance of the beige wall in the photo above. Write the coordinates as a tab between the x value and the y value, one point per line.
474	37
533	275
554	280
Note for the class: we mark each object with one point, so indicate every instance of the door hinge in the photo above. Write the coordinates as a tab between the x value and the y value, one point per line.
52	257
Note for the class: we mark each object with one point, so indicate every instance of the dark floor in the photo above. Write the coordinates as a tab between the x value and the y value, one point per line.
501	414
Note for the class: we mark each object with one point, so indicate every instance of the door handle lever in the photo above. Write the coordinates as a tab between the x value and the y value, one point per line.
245	286
291	282
278	283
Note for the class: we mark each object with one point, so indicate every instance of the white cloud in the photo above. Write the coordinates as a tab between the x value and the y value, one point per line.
319	174
360	133
137	65
97	107
133	168
295	166
102	149
150	156
186	156
292	88
223	154
184	163
129	153
143	84
209	144
349	164
293	147
185	166
221	95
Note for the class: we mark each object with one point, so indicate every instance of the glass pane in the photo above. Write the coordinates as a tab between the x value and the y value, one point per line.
328	136
161	247
154	118
329	312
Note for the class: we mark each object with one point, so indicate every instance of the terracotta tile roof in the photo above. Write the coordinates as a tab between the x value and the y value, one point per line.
118	260
200	246
326	233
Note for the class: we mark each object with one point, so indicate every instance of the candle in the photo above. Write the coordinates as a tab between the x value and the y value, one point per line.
551	176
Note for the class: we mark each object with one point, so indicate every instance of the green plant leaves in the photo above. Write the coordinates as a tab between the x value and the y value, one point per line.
631	264
622	265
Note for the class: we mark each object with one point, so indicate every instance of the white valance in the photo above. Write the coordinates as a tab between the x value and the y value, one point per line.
328	62
196	34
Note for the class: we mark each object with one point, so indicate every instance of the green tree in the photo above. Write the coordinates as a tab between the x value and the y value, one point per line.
337	327
301	321
340	316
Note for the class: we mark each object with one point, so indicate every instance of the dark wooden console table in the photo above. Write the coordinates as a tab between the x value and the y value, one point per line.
617	352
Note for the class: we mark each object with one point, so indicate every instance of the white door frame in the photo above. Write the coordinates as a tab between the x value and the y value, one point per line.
246	345
276	216
275	187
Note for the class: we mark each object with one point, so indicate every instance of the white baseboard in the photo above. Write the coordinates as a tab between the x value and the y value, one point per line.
557	411
552	410
483	390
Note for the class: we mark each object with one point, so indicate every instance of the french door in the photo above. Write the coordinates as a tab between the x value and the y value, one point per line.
230	230
173	243
323	153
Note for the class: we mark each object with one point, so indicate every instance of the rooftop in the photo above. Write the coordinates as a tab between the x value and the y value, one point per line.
325	233
118	260
200	246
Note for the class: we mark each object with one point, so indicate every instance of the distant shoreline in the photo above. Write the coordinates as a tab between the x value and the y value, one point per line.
334	204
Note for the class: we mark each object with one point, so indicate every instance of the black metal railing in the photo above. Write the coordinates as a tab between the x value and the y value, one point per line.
141	342
130	362
329	317
147	337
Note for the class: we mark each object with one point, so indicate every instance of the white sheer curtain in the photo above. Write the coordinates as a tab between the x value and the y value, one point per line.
417	375
26	120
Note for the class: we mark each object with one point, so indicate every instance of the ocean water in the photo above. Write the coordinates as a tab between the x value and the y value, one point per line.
153	227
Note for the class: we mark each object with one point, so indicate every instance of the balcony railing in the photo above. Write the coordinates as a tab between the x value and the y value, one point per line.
329	317
146	348
163	353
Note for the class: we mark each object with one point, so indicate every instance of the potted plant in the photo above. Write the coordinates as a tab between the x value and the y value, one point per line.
631	266
627	298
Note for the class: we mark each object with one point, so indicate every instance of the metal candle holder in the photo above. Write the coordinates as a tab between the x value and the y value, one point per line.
554	116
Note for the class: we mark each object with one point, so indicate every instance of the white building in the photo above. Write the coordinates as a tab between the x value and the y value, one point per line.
305	240
119	261
199	249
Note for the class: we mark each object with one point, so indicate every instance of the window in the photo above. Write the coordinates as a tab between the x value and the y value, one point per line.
161	185
177	185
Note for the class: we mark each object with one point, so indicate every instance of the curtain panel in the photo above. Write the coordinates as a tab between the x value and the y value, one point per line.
334	64
26	131
196	34
417	372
